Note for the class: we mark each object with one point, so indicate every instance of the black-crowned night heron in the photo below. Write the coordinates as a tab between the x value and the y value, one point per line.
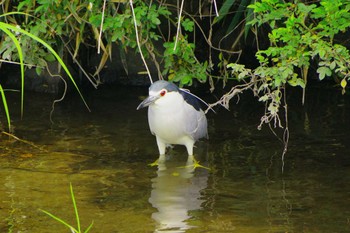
174	116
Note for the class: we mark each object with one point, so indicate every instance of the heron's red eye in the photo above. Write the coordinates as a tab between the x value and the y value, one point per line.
162	93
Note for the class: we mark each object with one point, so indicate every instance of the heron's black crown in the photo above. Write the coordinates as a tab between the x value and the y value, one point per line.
162	84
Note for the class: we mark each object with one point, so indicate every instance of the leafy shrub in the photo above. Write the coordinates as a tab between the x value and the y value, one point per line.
300	34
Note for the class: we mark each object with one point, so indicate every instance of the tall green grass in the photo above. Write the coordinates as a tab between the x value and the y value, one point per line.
3	97
11	30
71	228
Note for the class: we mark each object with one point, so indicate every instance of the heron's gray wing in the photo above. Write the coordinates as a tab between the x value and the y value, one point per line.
195	123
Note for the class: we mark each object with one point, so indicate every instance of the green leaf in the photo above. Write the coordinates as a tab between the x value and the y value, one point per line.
305	8
264	98
95	20
343	83
224	10
295	81
38	70
188	25
26	3
249	21
49	57
324	71
238	15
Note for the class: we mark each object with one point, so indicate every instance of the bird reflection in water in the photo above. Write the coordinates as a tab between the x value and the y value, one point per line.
175	192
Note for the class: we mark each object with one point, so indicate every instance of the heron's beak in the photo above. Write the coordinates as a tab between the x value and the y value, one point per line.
146	102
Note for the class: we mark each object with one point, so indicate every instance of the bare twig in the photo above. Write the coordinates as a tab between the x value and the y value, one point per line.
94	82
150	50
235	91
63	94
138	41
101	27
18	63
22	140
286	130
216	8
207	39
179	24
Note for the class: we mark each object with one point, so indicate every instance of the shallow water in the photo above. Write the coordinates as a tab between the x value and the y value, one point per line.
105	155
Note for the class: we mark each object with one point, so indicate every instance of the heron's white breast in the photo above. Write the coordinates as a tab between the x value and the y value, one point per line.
167	118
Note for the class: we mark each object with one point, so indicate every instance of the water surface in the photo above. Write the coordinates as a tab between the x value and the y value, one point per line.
106	154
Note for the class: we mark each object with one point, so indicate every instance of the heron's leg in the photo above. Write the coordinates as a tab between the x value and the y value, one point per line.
189	147
190	161
161	146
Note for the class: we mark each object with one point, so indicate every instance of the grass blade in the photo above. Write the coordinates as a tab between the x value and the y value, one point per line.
89	228
224	10
17	29
5	29
60	220
5	107
75	207
74	230
238	15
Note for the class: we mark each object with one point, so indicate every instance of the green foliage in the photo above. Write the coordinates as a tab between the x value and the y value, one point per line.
17	36
66	25
188	25
301	35
181	64
241	13
70	227
6	29
296	39
120	27
49	20
79	22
